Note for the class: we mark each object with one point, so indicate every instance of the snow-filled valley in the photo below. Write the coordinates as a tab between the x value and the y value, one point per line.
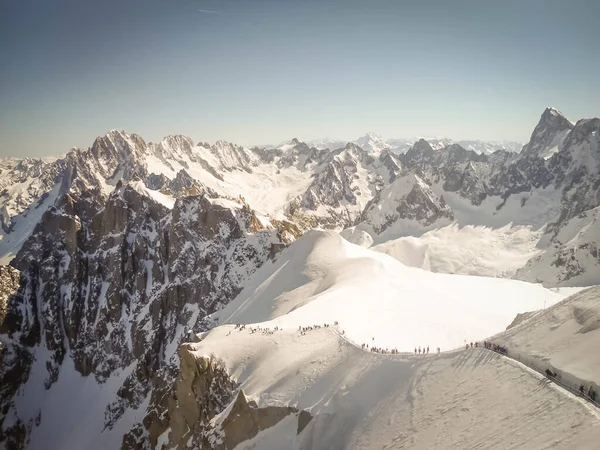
187	295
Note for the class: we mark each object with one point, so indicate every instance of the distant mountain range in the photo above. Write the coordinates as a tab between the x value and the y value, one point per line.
372	142
116	252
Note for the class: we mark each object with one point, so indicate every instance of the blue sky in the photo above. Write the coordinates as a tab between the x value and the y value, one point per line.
264	71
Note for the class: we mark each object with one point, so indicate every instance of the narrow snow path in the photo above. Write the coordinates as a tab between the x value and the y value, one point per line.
537	372
364	400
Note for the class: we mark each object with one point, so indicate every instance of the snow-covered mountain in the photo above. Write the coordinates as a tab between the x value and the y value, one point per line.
120	252
489	147
372	142
304	367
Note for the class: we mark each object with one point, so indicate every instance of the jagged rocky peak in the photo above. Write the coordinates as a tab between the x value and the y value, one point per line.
174	147
229	157
299	154
585	130
372	143
548	136
29	167
177	140
457	153
391	162
407	206
118	145
420	153
351	152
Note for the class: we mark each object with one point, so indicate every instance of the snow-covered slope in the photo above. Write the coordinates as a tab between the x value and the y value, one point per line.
372	143
573	256
469	250
287	356
360	400
563	338
323	278
406	207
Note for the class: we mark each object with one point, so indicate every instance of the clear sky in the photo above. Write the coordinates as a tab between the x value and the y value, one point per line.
264	71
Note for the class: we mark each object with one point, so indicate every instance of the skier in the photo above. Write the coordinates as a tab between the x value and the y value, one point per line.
428	349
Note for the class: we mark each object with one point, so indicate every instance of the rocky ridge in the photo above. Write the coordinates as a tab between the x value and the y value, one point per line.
137	243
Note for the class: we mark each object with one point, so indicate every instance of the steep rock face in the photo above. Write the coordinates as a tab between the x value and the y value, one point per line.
34	178
203	391
9	283
572	256
343	184
419	155
576	169
113	286
405	207
548	135
226	156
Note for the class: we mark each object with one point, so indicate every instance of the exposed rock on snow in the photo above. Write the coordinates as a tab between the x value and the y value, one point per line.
407	206
113	286
562	338
203	390
126	247
9	283
572	257
405	400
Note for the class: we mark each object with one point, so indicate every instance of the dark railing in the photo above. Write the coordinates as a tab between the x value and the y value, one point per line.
567	386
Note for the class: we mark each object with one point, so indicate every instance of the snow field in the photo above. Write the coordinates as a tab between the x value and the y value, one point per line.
468	250
378	301
363	400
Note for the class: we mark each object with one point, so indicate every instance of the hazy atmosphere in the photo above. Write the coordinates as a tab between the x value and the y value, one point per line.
299	225
258	72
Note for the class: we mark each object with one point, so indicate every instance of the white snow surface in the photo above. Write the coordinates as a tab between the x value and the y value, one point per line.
23	225
574	249
364	400
72	410
321	278
564	338
159	197
468	250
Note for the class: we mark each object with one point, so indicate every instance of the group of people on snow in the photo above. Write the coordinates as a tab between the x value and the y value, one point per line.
497	348
384	351
266	330
424	350
303	330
